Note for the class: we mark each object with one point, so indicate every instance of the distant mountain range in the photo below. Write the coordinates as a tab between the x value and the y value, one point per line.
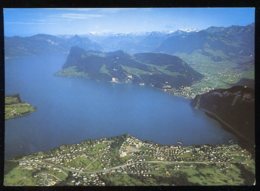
232	46
216	44
151	58
232	41
131	43
154	69
45	44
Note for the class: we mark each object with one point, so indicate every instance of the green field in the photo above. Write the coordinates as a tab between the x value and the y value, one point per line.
14	107
127	161
71	71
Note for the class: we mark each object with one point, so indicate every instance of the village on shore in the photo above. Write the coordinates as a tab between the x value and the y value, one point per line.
126	160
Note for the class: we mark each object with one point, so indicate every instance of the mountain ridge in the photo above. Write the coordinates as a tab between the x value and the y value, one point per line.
155	69
148	42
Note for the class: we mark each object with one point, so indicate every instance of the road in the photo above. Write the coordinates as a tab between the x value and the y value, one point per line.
134	163
66	169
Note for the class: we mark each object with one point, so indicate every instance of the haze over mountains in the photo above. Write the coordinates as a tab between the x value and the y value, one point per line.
44	44
185	57
234	43
214	57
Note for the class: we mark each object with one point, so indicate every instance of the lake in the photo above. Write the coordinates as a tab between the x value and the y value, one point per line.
70	110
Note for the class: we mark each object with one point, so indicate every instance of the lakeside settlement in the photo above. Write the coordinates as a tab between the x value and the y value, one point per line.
126	160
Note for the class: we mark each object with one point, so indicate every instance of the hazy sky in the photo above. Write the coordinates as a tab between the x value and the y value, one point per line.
25	22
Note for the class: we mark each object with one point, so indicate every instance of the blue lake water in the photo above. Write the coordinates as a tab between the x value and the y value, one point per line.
70	110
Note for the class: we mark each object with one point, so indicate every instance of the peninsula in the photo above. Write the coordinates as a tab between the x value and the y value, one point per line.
14	107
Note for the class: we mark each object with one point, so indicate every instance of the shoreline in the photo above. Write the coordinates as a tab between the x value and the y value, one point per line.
85	77
177	144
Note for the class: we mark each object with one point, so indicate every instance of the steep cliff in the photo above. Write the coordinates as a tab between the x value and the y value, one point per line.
234	108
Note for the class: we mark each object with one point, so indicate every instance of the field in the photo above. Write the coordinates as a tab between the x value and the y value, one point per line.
125	160
14	107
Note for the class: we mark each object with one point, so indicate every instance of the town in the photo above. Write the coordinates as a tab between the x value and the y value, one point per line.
126	160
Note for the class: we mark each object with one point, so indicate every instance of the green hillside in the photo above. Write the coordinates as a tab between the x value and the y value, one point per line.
14	107
153	69
126	160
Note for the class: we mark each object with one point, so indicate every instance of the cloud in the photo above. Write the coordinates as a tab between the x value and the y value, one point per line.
114	10
73	16
28	23
69	9
79	16
96	10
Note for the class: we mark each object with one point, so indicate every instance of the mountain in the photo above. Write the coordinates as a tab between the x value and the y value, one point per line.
83	42
215	44
234	108
37	44
154	69
126	42
218	43
131	43
223	55
45	44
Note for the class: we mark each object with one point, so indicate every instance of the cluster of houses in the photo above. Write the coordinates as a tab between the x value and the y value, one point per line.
136	157
128	79
187	91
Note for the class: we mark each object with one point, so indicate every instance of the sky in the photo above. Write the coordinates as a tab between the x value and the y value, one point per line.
71	21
